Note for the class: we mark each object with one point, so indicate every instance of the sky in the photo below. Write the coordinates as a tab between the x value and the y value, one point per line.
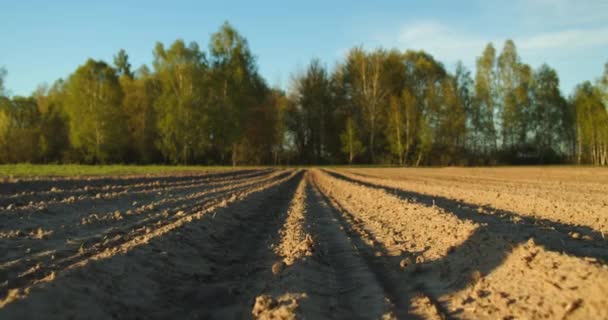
42	41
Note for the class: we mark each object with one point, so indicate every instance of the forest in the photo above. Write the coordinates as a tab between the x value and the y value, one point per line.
379	107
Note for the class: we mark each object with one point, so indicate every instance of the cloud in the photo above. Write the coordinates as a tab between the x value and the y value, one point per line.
440	40
563	12
572	38
450	43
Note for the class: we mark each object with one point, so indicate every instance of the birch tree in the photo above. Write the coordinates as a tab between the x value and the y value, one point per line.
368	92
181	107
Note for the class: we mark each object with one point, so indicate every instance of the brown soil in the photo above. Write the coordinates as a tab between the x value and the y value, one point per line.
509	243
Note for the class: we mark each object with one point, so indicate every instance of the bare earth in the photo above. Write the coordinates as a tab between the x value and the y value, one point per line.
492	243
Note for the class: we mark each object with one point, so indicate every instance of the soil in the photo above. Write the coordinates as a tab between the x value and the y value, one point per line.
506	243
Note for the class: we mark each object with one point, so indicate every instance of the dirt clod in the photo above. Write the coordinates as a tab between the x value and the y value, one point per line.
278	267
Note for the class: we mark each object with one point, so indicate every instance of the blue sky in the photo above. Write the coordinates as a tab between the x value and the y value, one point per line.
41	41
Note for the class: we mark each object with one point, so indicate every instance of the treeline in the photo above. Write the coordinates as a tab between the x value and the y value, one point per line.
375	107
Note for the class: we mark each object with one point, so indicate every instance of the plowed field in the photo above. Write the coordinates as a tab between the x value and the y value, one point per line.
496	243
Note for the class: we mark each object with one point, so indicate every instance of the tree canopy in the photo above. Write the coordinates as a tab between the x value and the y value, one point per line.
381	106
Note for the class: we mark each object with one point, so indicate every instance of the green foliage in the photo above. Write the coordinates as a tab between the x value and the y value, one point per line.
485	98
5	130
19	129
313	98
140	93
181	106
367	93
93	98
376	106
121	62
351	145
236	90
508	67
591	125
54	128
2	77
549	116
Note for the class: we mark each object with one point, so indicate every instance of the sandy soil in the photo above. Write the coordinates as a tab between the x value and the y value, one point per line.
509	243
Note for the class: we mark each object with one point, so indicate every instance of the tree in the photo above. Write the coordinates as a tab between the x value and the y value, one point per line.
19	129
236	87
603	85
465	86
2	77
522	95
121	62
485	96
277	112
97	123
591	125
396	129
368	93
5	129
182	107
425	78
508	67
312	93
351	145
425	137
25	135
140	93
402	125
376	106
54	126
549	117
451	133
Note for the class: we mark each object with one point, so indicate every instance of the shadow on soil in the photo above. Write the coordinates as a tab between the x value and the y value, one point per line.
233	259
498	233
40	190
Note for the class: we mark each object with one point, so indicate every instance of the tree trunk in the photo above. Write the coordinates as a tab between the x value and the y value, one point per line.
579	145
234	154
371	140
418	160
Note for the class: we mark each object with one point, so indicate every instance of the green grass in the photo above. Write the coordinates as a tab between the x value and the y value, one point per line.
31	170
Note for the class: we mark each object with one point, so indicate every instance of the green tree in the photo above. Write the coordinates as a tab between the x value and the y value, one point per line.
237	87
550	113
121	62
522	95
25	135
465	87
403	120
425	80
486	96
3	74
591	125
19	129
182	105
140	93
368	91
5	130
93	103
312	93
276	113
508	63
54	125
452	129
603	85
397	129
351	145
